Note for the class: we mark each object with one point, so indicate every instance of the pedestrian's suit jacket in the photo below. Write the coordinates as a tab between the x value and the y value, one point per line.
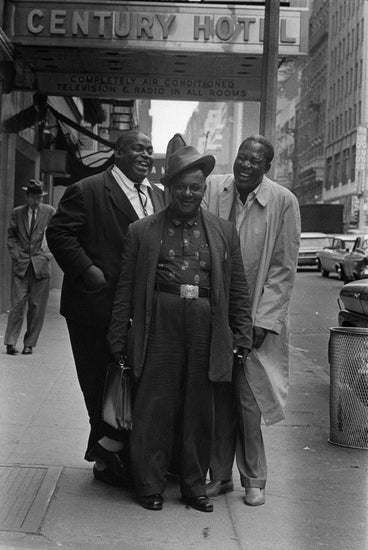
89	228
270	244
230	305
26	248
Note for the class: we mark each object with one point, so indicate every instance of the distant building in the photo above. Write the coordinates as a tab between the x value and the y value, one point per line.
311	110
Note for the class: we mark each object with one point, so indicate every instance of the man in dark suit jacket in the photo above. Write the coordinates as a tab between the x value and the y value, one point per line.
31	268
86	237
183	284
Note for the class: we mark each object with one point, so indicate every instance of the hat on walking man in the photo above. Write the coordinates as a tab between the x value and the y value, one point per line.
184	158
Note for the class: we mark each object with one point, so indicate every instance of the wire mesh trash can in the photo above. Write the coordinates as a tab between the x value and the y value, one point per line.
348	358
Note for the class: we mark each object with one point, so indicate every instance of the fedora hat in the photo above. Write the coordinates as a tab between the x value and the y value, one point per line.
35	187
184	158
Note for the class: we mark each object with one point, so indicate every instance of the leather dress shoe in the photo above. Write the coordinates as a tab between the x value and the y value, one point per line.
215	488
11	350
27	350
112	460
107	476
254	496
201	503
151	502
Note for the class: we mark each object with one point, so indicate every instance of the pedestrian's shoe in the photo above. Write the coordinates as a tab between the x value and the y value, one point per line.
215	488
11	350
107	476
254	496
112	460
151	502
201	503
27	350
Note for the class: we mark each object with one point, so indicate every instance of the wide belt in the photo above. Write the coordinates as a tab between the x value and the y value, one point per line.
189	292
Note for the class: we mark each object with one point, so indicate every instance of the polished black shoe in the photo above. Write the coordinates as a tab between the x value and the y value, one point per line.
201	503
112	460
11	350
151	502
107	476
27	350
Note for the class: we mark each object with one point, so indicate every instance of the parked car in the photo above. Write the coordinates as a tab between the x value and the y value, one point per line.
355	264
310	244
330	257
353	302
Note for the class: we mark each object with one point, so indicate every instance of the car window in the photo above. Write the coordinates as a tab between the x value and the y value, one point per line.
315	242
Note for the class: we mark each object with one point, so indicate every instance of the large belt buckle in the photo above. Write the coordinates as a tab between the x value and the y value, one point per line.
189	291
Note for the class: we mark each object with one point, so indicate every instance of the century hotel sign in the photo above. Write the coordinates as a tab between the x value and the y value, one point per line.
151	26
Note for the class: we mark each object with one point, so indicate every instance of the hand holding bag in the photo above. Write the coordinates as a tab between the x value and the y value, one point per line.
117	396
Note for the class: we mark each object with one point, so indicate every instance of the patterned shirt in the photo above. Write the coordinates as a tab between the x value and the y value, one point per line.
184	254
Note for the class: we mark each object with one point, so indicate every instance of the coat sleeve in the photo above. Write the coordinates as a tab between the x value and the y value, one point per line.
13	242
123	299
64	230
273	306
240	317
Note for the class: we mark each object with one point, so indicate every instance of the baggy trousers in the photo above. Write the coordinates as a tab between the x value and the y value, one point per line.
33	292
91	357
238	430
174	393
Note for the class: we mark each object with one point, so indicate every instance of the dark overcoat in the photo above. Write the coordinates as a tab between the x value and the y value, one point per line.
230	304
89	228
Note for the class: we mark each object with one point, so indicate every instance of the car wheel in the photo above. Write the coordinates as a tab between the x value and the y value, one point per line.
325	273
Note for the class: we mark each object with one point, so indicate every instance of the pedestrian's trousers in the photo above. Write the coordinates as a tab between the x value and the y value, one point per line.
174	393
238	431
91	357
34	293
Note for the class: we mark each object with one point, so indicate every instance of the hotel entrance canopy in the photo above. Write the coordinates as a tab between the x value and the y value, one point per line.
156	50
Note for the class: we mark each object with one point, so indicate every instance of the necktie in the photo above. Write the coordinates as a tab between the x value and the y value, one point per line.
142	198
33	221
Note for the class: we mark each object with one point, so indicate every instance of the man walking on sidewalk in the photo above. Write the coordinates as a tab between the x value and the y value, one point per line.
267	220
86	235
31	268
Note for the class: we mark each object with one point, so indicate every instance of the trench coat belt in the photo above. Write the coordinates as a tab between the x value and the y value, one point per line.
184	291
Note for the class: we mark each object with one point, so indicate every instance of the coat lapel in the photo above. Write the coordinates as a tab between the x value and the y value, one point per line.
153	235
226	198
216	249
24	220
118	197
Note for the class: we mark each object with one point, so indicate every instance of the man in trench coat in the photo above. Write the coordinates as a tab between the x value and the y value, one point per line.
268	222
86	236
31	268
183	284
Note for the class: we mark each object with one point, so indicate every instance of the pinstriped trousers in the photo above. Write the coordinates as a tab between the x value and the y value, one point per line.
174	394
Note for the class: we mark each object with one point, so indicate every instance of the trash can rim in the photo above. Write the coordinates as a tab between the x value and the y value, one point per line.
350	330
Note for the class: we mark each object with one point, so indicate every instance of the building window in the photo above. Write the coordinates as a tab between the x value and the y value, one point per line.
352	163
345	166
337	169
329	173
359	112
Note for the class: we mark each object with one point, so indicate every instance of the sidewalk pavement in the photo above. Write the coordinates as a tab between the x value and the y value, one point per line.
317	494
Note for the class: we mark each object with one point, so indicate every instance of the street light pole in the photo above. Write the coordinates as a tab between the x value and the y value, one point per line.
267	124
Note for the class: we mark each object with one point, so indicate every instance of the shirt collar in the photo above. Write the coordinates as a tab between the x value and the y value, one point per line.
117	173
177	221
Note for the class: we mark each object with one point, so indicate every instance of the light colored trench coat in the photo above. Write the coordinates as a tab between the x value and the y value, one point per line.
269	240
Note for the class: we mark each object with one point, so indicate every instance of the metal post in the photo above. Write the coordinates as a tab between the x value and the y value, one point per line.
267	125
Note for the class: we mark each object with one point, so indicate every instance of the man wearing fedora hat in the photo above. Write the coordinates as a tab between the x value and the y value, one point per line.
31	268
183	284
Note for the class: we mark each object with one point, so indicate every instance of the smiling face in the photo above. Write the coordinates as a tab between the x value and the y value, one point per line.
250	165
186	193
134	156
